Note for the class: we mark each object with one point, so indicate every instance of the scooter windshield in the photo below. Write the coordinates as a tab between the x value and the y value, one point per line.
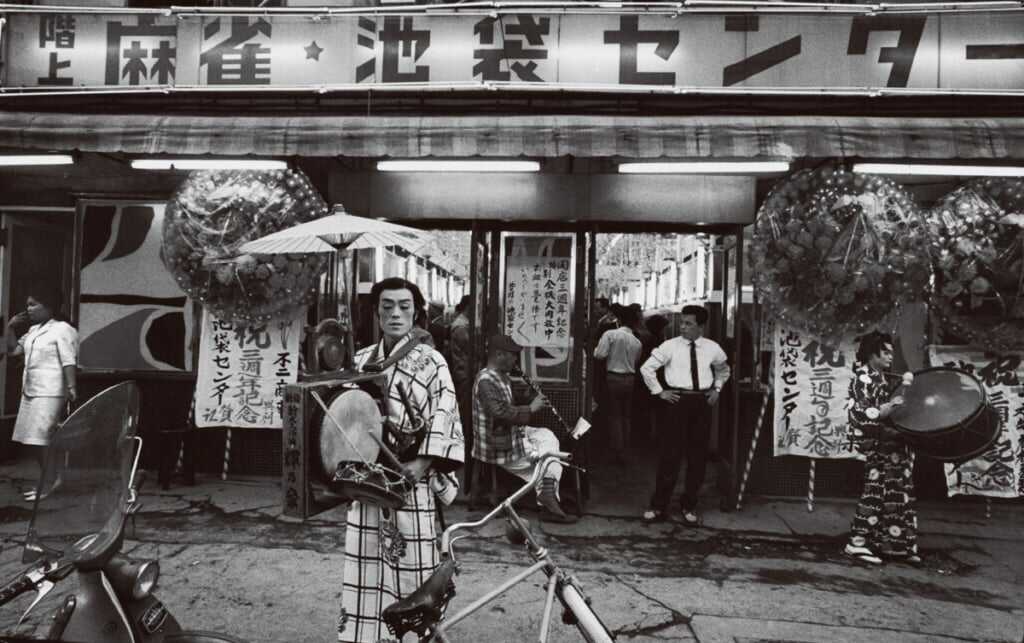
81	507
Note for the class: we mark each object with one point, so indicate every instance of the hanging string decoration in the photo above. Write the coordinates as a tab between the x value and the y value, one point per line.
835	252
212	214
978	251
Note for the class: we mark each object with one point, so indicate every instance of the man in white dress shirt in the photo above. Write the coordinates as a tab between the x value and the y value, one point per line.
619	351
695	370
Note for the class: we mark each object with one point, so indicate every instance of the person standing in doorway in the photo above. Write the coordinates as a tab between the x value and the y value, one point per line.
390	552
619	350
458	360
48	384
695	370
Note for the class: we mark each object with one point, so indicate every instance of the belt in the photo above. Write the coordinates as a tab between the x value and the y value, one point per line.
622	374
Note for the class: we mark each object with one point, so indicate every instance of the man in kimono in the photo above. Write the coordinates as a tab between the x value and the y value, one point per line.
388	554
885	524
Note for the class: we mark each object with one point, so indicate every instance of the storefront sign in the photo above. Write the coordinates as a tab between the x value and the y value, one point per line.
243	372
999	472
812	382
974	51
132	315
538	300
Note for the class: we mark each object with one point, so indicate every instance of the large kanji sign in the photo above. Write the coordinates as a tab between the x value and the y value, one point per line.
976	51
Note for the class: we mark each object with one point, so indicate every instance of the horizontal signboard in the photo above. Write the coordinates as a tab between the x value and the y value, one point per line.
973	52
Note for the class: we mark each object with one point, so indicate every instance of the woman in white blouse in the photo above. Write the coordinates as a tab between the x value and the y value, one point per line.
50	350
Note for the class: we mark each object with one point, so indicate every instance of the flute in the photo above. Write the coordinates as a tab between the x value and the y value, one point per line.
518	372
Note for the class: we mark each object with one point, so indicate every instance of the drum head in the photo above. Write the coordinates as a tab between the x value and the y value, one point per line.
345	431
939	399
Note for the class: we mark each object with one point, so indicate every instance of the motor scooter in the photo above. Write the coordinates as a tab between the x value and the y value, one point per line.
87	492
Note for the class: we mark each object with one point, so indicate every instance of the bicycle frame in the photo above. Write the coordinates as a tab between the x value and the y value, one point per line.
560	584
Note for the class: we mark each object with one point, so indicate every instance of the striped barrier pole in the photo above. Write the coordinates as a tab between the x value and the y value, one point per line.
227	455
757	434
810	486
753	448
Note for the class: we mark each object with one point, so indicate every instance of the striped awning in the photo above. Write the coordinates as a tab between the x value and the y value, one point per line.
514	136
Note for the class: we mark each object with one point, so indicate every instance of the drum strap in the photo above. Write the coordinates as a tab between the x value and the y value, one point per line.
415	437
373	366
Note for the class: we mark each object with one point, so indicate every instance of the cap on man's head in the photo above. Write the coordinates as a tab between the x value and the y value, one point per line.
504	343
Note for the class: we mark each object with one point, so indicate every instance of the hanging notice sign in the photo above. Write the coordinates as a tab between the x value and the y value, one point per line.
812	381
999	472
977	51
538	302
243	372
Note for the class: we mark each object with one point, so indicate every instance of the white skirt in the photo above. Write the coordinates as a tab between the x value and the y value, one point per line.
37	419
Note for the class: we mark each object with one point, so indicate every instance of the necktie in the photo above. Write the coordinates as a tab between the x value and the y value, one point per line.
694	373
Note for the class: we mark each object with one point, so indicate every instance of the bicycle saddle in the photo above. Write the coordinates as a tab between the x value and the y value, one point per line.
420	611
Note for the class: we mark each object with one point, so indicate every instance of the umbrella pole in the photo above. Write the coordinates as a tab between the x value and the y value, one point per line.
349	286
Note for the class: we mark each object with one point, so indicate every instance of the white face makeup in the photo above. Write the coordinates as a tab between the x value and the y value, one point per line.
396	311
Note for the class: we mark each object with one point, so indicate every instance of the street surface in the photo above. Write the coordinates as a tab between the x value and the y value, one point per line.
770	573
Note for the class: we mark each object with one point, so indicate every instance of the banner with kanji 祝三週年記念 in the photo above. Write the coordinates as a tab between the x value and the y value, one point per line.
811	385
243	371
999	472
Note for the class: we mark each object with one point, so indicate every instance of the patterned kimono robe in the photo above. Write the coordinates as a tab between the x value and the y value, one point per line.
886	521
388	554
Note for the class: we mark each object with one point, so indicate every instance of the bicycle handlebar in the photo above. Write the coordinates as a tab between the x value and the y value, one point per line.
538	473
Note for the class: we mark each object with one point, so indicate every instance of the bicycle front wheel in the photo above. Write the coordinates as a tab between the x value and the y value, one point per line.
589	625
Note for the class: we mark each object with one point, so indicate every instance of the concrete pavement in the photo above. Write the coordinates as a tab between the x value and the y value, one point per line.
771	572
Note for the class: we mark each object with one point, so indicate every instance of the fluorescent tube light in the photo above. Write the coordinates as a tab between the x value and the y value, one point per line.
36	159
938	170
705	167
458	166
208	164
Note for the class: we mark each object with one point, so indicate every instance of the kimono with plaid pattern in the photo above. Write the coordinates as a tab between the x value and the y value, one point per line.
388	554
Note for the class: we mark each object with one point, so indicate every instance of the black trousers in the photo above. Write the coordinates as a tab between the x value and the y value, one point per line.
684	428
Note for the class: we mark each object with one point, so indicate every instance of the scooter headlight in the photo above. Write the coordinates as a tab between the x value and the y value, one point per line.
145	579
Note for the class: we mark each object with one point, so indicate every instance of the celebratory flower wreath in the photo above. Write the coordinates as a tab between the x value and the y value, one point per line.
212	214
835	252
978	250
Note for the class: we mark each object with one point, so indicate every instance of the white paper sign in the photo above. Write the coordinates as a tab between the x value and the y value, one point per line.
999	472
812	382
243	372
538	300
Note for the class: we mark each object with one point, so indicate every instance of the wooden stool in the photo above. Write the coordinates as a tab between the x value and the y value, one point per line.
171	442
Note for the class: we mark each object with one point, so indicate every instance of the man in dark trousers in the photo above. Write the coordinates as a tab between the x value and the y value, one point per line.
695	370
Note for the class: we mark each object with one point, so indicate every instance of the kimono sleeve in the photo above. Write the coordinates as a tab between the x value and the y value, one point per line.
443	440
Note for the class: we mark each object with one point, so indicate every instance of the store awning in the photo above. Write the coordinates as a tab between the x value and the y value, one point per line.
513	136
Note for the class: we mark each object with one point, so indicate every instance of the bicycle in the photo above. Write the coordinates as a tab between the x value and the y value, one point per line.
423	611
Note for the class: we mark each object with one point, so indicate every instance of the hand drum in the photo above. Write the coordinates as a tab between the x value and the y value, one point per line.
345	431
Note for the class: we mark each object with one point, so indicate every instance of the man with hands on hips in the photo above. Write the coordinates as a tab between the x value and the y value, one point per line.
695	370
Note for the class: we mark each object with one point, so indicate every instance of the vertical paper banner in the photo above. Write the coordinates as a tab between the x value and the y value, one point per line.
538	300
243	372
812	381
999	472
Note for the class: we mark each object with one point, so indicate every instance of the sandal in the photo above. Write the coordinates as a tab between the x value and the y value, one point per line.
652	515
691	518
862	554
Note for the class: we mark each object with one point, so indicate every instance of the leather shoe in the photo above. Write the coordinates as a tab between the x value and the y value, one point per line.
551	511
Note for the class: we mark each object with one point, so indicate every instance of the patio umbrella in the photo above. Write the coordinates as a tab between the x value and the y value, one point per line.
412	245
335	231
